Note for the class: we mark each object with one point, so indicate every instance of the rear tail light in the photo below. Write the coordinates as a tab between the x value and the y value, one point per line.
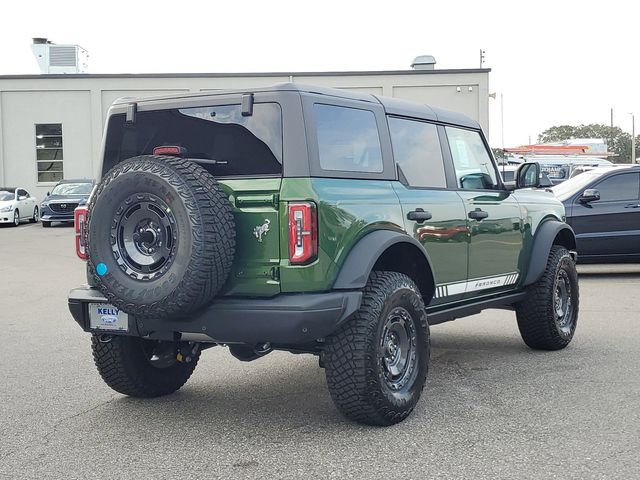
303	232
170	150
80	215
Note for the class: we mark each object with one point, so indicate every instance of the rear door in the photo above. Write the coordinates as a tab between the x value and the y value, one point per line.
611	225
432	213
493	215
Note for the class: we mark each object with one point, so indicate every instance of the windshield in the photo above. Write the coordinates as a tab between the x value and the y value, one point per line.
6	196
564	190
72	189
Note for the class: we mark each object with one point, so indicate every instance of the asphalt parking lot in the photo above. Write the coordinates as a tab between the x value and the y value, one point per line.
492	408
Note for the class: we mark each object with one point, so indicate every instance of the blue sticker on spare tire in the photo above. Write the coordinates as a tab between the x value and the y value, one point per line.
101	269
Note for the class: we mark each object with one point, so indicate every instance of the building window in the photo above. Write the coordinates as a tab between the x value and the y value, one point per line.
49	152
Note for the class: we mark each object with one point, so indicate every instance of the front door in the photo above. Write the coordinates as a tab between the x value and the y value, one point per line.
433	214
492	214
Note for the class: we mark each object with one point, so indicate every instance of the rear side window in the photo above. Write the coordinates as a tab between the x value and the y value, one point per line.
347	139
220	138
416	149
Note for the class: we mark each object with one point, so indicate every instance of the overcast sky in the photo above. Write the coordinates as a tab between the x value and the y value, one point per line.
555	62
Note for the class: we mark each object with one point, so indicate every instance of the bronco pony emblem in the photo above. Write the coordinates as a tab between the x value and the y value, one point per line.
261	230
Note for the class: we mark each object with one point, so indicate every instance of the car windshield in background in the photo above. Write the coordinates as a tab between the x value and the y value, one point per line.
564	190
72	189
5	196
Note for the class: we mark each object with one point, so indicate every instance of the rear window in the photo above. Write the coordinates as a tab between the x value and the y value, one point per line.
347	139
220	138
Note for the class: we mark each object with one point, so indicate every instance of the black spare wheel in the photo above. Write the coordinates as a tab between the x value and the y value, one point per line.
161	236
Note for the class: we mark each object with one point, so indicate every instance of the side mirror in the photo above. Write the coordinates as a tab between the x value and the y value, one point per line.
589	195
528	175
48	193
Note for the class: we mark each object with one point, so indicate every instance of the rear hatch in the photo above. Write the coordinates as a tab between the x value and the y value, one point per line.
240	144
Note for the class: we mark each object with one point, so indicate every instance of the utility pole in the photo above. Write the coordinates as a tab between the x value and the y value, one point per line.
502	118
612	117
633	138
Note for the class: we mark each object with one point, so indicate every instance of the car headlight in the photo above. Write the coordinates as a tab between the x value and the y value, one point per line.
44	205
6	209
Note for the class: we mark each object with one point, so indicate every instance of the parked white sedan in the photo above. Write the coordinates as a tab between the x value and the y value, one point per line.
16	205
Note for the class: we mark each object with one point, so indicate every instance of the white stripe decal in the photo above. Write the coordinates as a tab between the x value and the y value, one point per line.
483	283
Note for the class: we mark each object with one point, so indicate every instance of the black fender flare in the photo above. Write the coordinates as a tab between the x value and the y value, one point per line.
542	243
360	261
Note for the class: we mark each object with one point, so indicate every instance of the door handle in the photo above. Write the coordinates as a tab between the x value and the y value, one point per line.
632	205
478	214
419	215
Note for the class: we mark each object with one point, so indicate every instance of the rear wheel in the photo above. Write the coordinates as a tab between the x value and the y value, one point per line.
548	316
376	364
141	368
36	216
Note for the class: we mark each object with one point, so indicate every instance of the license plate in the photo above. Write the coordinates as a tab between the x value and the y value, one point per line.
103	316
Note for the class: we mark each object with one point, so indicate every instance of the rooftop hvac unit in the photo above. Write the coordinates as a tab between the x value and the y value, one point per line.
53	58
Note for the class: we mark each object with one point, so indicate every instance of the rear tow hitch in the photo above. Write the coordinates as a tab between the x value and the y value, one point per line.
187	351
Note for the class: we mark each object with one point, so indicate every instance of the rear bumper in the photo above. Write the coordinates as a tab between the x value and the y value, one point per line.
287	319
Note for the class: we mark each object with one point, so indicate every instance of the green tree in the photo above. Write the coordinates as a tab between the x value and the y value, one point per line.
499	153
618	141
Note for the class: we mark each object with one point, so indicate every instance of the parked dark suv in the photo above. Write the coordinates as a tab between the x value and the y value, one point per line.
309	220
59	204
603	207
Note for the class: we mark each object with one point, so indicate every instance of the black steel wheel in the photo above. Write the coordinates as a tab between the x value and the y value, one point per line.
146	238
398	349
161	236
376	364
548	316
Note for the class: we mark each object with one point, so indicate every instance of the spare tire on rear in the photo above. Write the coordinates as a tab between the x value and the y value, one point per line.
161	236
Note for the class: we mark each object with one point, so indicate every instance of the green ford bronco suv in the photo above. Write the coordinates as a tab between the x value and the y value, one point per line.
309	220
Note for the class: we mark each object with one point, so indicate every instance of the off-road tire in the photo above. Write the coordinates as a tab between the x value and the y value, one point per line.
46	224
539	323
354	359
202	236
123	365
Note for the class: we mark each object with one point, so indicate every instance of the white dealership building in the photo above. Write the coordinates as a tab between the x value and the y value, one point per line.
51	125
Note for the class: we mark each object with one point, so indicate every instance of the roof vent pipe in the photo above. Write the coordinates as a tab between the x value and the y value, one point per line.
424	62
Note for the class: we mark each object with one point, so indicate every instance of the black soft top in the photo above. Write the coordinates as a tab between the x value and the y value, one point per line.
392	106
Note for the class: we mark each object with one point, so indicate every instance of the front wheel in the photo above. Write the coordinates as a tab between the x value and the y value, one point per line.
16	218
141	368
36	216
376	364
548	316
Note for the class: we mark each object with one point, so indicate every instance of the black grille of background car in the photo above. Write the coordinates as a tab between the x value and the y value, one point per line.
63	207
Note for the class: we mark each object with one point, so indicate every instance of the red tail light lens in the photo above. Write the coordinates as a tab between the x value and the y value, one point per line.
303	232
80	222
